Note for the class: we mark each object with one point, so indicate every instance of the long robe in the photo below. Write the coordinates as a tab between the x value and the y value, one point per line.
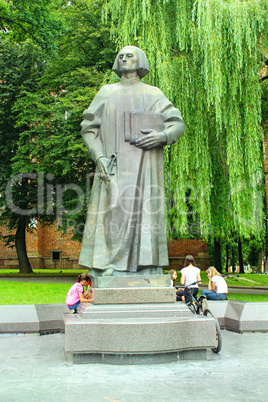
125	228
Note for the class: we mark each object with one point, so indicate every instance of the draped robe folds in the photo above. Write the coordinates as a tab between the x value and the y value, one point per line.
125	229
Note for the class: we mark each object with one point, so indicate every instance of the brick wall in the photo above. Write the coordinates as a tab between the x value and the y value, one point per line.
44	240
49	239
178	249
40	245
183	247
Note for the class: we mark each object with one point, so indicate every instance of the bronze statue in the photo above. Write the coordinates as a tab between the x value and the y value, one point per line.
125	129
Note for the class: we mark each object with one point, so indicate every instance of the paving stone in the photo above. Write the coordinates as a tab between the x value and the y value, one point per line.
18	319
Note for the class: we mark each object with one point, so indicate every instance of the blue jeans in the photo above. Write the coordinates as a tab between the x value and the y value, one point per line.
211	295
74	306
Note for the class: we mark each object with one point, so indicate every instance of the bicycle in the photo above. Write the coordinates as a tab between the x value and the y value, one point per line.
199	306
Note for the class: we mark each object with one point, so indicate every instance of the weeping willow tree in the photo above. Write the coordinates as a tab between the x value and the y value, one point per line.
205	56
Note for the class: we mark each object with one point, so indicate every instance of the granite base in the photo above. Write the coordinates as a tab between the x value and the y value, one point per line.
156	331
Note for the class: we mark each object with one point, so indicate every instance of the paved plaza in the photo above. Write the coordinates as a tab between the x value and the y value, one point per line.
33	368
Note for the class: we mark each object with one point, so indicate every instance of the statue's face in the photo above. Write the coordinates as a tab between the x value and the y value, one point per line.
128	60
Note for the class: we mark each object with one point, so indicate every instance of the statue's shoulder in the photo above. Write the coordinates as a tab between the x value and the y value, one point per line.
109	88
106	91
153	90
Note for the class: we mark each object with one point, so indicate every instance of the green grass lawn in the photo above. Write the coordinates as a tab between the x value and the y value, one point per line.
42	272
32	293
248	297
49	293
248	280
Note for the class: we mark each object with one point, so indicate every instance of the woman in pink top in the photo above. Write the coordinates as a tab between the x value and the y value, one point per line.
76	294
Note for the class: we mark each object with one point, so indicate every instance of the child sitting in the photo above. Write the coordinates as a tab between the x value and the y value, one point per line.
76	294
173	275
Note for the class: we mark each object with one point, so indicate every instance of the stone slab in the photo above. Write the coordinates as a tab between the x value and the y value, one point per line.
19	319
120	359
138	336
218	308
233	315
238	316
134	295
130	281
91	311
200	354
254	317
50	316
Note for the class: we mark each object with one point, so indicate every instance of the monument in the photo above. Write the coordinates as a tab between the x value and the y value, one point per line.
135	317
125	129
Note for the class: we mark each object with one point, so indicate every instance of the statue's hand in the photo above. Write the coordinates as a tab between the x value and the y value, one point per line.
102	164
152	140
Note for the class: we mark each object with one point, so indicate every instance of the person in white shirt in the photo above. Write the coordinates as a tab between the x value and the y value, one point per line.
189	274
217	287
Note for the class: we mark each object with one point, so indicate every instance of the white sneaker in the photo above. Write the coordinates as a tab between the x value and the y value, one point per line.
72	311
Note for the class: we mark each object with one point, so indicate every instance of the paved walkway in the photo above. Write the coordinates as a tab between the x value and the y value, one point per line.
32	368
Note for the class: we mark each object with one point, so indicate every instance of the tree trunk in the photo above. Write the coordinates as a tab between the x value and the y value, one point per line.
217	252
266	245
259	265
227	259
20	244
233	263
240	256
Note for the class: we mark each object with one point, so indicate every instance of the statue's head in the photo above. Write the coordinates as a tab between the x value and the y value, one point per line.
129	59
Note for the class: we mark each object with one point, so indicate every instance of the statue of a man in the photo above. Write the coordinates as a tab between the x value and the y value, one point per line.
125	129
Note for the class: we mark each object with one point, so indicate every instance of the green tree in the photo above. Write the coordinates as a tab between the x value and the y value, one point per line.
67	87
206	55
37	20
20	69
49	163
27	41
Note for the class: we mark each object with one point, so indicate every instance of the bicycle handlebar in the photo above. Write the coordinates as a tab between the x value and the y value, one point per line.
191	284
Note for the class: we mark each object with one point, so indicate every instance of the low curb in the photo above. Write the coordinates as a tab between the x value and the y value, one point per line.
233	315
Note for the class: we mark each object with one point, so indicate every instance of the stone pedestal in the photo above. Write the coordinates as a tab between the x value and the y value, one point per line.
133	289
136	320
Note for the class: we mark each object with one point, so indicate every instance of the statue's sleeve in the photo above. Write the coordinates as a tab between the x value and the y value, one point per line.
92	118
174	124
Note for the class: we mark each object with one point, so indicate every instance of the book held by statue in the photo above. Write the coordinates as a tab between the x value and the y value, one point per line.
136	121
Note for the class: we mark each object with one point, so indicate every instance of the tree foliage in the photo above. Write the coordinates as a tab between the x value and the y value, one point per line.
44	113
205	55
37	20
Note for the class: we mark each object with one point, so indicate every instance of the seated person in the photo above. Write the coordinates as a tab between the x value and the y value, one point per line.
180	293
189	274
217	287
173	275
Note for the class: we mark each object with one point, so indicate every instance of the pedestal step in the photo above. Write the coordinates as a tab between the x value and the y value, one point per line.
130	281
134	295
93	311
145	331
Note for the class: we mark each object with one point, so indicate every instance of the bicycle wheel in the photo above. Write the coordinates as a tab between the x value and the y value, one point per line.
191	307
218	347
202	304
